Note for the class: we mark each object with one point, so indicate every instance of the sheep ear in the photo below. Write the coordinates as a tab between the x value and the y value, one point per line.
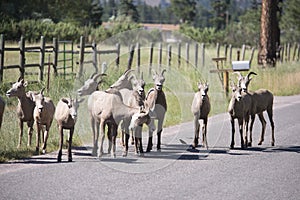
25	83
65	101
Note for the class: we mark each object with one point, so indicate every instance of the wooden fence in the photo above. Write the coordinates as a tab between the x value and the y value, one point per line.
183	53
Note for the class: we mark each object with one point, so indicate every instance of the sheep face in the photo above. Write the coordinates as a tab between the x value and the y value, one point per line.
17	89
39	100
243	82
88	88
124	81
140	118
159	80
236	92
139	86
203	89
73	105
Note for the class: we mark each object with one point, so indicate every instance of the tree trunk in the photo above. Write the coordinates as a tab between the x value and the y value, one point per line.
269	33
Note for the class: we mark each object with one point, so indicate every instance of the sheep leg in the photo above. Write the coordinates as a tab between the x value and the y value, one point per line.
21	135
246	123
95	144
70	145
138	140
251	128
100	150
30	131
270	114
113	140
110	130
46	138
196	132
159	131
150	144
232	132
96	137
241	126
126	145
38	137
204	131
61	141
263	123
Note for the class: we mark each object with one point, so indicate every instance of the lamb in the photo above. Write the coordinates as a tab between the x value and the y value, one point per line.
239	108
2	107
262	100
201	108
156	99
66	116
25	107
109	108
43	115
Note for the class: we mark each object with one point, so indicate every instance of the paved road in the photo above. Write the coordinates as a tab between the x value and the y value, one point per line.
259	172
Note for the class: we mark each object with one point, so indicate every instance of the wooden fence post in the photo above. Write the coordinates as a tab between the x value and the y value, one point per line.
138	57
243	51
22	57
225	52
187	49
203	54
42	59
159	54
282	53
95	63
179	54
238	55
218	50
252	54
55	55
169	55
118	54
130	59
230	53
196	55
151	58
81	55
2	46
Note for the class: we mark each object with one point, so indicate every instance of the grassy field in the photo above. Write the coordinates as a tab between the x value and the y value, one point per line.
180	85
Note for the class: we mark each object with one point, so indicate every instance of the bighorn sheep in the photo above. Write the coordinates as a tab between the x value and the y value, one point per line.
90	85
109	108
25	107
123	81
43	116
201	108
239	108
2	107
66	116
262	100
156	99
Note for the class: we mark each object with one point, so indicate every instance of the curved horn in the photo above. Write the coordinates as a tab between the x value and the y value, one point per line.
98	75
128	71
239	75
92	76
42	91
250	73
163	71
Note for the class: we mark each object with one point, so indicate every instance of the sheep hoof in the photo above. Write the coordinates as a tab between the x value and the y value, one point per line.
58	159
125	154
70	160
231	147
44	151
249	144
260	143
273	144
113	155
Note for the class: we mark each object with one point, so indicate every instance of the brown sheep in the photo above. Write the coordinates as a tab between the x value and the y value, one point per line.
43	116
201	108
25	107
66	116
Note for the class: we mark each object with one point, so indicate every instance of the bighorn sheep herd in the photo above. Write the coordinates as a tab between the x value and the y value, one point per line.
126	101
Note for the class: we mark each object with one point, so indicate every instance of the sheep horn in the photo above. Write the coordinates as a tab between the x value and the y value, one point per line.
163	71
248	76
98	75
42	91
239	74
128	71
142	76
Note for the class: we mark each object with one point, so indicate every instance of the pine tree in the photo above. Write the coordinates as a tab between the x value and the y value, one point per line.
184	9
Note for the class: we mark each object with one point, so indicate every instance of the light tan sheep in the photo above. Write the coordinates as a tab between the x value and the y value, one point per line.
66	116
25	107
200	109
156	99
239	108
43	116
262	100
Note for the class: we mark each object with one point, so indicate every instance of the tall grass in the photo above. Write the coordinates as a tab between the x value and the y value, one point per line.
180	86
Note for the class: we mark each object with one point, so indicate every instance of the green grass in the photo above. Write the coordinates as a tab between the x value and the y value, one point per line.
180	86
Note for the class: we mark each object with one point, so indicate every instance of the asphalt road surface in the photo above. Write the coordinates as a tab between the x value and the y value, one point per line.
177	172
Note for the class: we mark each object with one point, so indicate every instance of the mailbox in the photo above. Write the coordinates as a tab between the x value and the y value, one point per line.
241	65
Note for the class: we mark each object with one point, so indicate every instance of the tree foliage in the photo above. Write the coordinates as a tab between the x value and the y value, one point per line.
185	10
